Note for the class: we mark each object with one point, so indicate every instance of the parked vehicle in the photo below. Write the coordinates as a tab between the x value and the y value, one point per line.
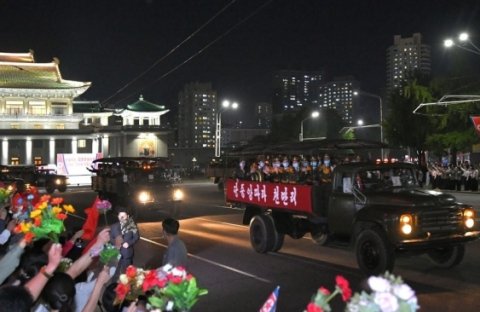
37	176
138	183
381	218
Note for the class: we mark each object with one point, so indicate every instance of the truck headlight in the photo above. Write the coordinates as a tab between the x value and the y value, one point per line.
406	222
144	196
177	195
469	216
58	181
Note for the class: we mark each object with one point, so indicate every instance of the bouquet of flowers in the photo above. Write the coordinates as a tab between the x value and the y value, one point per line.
389	294
103	206
65	263
167	288
4	194
45	219
108	253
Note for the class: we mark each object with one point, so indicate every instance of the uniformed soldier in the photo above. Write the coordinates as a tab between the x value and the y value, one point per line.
325	171
312	171
263	168
276	171
295	172
287	170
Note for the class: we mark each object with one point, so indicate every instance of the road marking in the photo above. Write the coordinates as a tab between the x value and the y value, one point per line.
213	262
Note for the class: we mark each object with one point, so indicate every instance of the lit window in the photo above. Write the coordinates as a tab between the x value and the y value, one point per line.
82	143
15	126
60	126
38	160
14	161
38	126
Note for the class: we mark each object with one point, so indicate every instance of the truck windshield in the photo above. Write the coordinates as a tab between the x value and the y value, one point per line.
372	180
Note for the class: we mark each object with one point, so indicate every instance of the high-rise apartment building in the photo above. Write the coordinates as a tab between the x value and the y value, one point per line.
263	115
338	95
294	89
406	55
197	108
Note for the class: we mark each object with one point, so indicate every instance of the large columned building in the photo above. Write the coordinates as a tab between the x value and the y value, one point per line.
40	118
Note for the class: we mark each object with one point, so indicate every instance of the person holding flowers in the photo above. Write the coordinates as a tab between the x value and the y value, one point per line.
126	233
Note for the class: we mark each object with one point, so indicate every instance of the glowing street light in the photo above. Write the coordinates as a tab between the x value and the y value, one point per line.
463	40
381	112
314	115
218	127
360	122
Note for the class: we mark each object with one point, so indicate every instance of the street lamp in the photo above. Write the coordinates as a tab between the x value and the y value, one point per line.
314	115
463	40
218	127
381	112
360	122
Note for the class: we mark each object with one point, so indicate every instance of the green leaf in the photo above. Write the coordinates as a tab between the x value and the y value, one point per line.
156	302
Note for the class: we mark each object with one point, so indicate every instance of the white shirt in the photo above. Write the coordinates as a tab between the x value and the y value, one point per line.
4	236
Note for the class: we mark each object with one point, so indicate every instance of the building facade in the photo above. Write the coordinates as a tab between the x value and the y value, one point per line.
263	115
406	55
294	89
197	109
339	95
242	136
41	120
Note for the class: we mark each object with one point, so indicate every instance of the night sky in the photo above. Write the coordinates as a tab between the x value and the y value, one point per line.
111	42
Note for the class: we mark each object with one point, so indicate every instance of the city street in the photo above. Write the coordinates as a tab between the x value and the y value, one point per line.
239	279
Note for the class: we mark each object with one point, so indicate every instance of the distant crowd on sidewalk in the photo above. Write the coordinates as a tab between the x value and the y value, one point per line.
462	176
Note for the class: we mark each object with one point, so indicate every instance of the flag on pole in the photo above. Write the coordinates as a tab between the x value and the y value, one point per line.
476	123
271	304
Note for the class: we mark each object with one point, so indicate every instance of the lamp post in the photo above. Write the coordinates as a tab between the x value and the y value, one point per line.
218	125
381	113
463	40
314	115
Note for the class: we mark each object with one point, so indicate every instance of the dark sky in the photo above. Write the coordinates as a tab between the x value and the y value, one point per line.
110	42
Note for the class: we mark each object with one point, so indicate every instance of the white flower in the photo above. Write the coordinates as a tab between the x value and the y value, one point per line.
180	273
167	267
379	284
169	306
403	291
386	301
123	279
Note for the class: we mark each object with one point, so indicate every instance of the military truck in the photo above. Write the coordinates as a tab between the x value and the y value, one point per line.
376	207
137	183
37	176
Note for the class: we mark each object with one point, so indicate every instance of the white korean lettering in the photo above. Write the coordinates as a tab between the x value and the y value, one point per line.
242	190
293	196
235	189
256	192
276	193
250	192
264	193
284	196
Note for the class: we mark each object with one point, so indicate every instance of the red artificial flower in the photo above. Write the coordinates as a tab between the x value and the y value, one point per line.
152	280
312	307
29	236
342	283
36	206
131	272
37	222
174	279
189	277
122	291
324	291
18	228
45	198
61	216
57	201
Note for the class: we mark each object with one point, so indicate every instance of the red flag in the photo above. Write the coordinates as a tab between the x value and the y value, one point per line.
90	225
271	304
476	123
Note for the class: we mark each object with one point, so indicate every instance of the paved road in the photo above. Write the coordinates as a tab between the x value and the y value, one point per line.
240	279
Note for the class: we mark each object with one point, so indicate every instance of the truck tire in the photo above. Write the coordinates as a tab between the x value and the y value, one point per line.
62	188
320	238
262	233
446	257
374	253
50	188
279	238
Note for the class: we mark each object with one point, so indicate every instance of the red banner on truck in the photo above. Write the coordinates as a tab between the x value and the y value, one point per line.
288	196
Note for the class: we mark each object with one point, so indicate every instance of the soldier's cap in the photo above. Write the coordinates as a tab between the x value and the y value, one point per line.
260	158
313	158
326	156
276	159
295	158
286	158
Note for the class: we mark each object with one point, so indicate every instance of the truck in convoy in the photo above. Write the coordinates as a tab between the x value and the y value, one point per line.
137	183
37	175
376	207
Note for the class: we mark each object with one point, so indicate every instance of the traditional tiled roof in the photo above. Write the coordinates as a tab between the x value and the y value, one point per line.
17	57
35	76
144	106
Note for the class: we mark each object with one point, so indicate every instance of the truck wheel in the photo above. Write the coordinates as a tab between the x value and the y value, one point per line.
446	257
279	238
320	238
50	188
62	188
262	233
374	253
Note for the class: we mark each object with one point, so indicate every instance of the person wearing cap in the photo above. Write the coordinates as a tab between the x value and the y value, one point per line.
263	168
295	173
325	171
276	171
287	170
